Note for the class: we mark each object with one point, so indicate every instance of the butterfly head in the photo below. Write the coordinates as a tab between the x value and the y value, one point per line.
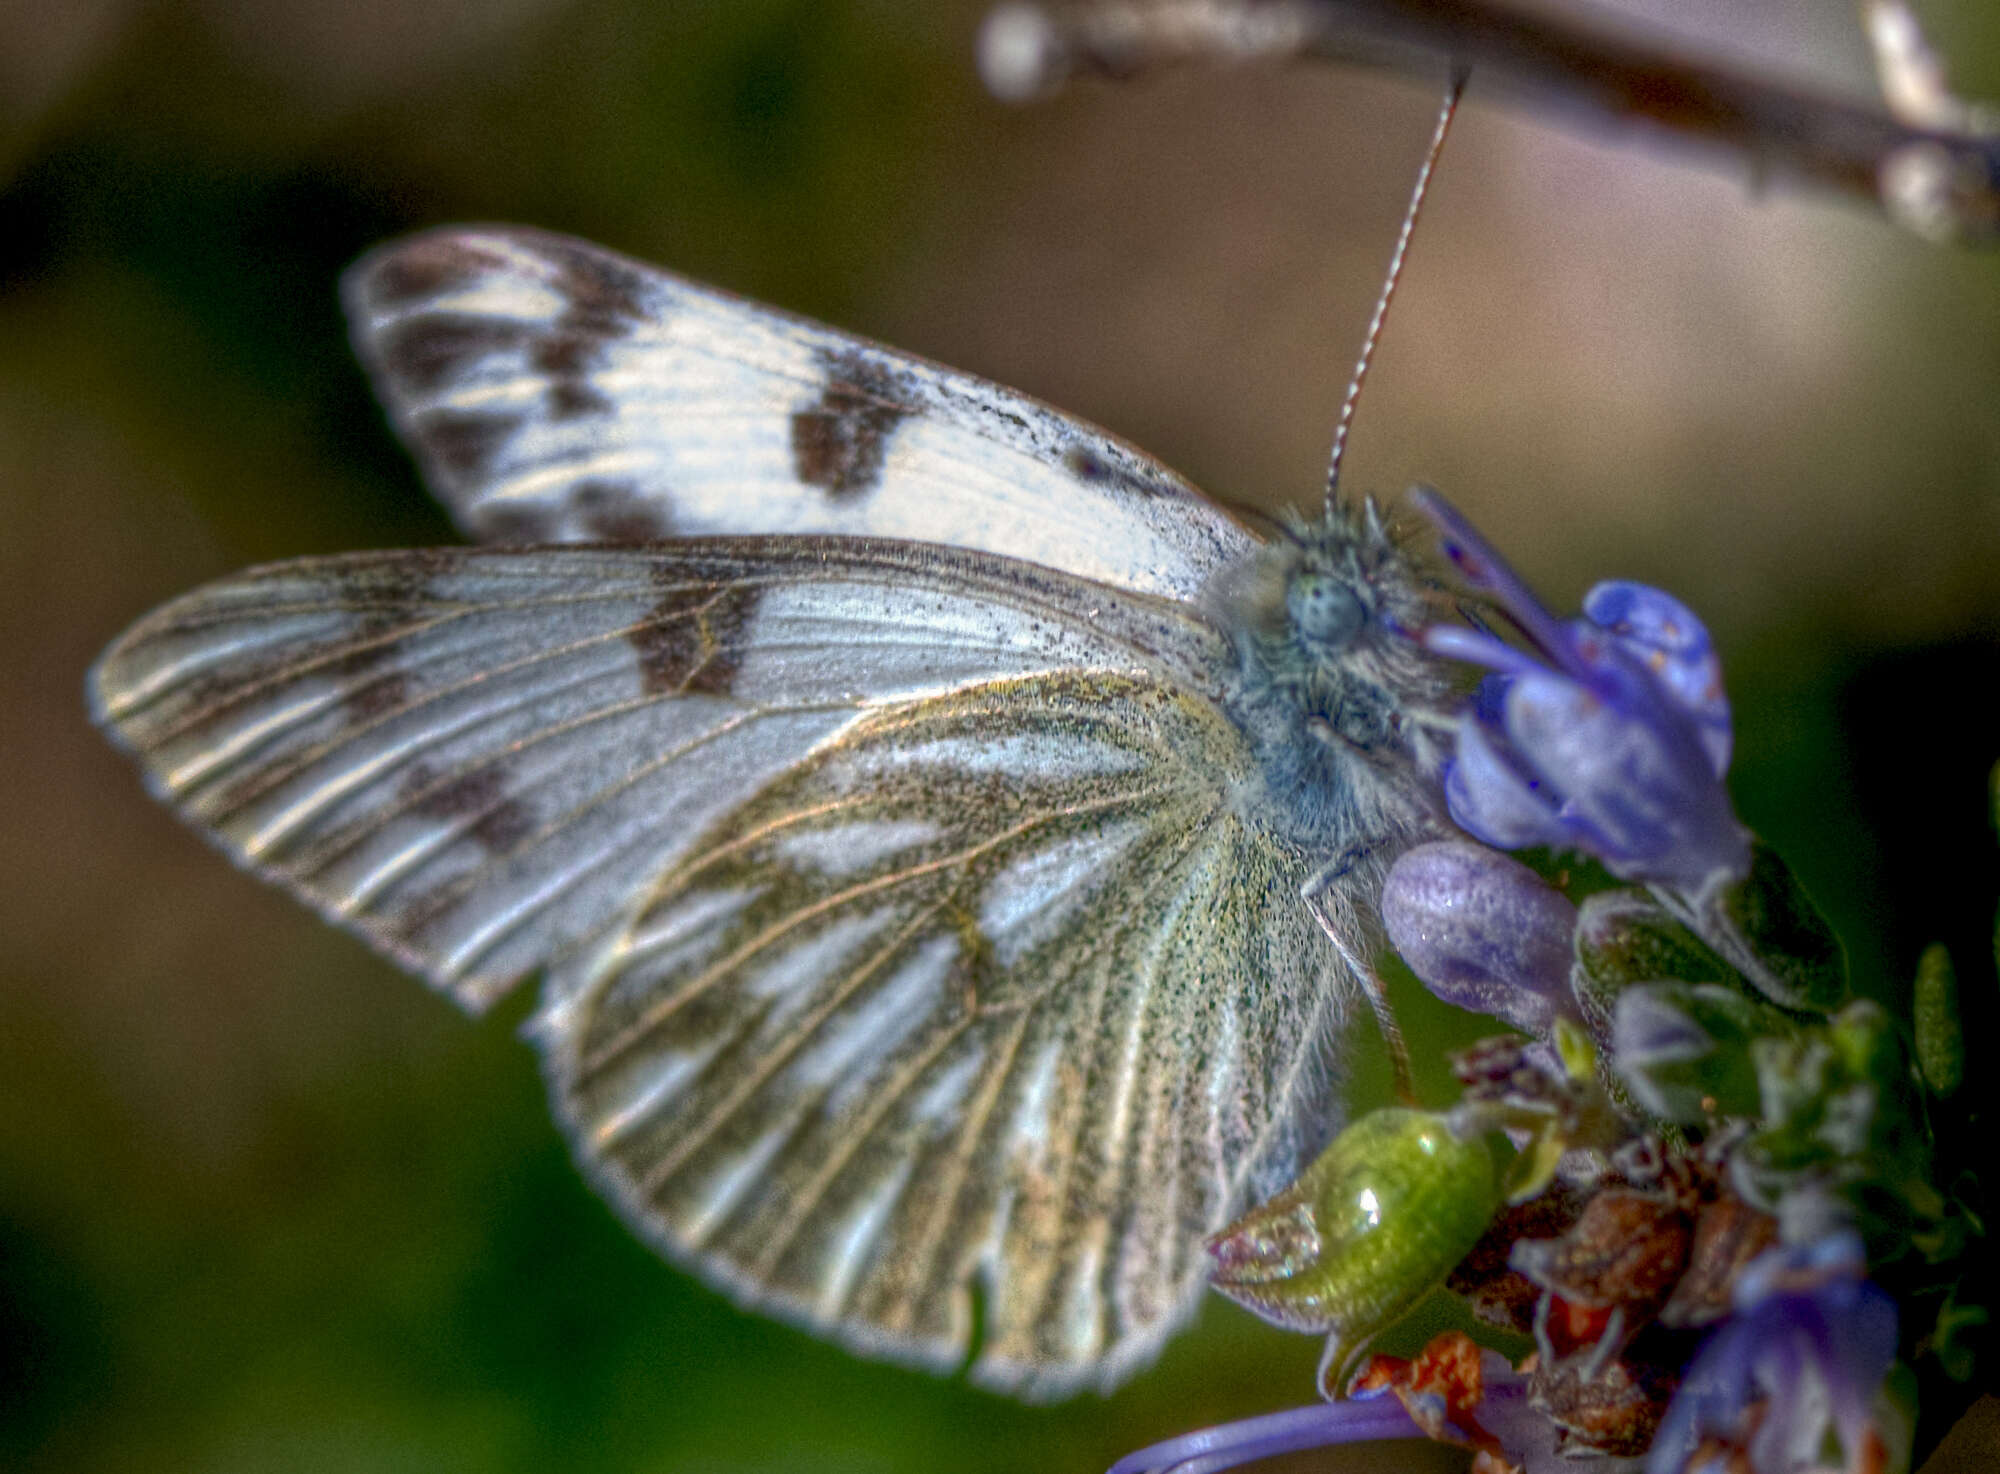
1324	610
1327	682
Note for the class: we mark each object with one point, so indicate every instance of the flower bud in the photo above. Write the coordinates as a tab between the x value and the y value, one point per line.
1482	931
1840	1125
1628	937
1940	1040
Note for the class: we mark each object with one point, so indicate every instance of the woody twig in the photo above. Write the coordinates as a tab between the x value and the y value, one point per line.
1923	157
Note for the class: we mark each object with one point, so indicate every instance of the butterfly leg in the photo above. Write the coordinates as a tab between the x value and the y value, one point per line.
1323	878
1363	971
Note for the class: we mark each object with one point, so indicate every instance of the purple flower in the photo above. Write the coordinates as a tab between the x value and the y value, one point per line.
1482	930
1319	1425
1452	1391
1610	738
1804	1354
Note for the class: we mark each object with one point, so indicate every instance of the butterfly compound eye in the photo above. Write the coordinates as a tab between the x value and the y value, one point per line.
1323	609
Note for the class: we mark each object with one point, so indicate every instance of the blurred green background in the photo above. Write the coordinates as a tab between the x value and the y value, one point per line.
265	1204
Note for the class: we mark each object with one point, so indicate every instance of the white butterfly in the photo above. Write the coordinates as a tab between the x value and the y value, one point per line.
910	819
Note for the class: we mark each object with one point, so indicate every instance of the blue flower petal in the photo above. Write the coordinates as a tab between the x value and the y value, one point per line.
1674	646
1610	738
1490	799
1811	1340
1638	790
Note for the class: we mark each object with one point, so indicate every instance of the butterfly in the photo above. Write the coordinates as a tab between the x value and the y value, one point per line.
944	837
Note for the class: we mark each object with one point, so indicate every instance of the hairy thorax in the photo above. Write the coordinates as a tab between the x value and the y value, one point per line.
1340	704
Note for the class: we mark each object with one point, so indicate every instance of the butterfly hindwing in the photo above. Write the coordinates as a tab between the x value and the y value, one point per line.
555	392
994	989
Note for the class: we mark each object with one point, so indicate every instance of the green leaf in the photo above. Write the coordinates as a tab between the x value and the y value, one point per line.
1625	937
1770	930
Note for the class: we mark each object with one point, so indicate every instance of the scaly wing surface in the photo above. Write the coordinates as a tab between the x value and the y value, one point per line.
902	940
554	392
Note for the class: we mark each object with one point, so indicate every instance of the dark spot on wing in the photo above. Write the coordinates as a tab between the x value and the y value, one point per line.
386	597
383	597
691	641
425	353
670	640
465	444
367	690
561	355
407	927
615	512
840	442
1086	464
604	299
1090	464
572	399
498	821
423	269
207	700
568	358
602	290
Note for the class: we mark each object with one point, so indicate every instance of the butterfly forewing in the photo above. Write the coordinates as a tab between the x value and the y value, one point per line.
557	392
987	990
477	758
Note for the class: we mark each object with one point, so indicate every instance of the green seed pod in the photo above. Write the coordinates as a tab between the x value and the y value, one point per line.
1768	928
1940	1039
1368	1230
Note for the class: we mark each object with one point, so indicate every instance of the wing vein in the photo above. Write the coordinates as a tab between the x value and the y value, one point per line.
666	1007
663	1171
882	1101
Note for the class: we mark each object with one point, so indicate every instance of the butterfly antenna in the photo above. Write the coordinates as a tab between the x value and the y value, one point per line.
1454	89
